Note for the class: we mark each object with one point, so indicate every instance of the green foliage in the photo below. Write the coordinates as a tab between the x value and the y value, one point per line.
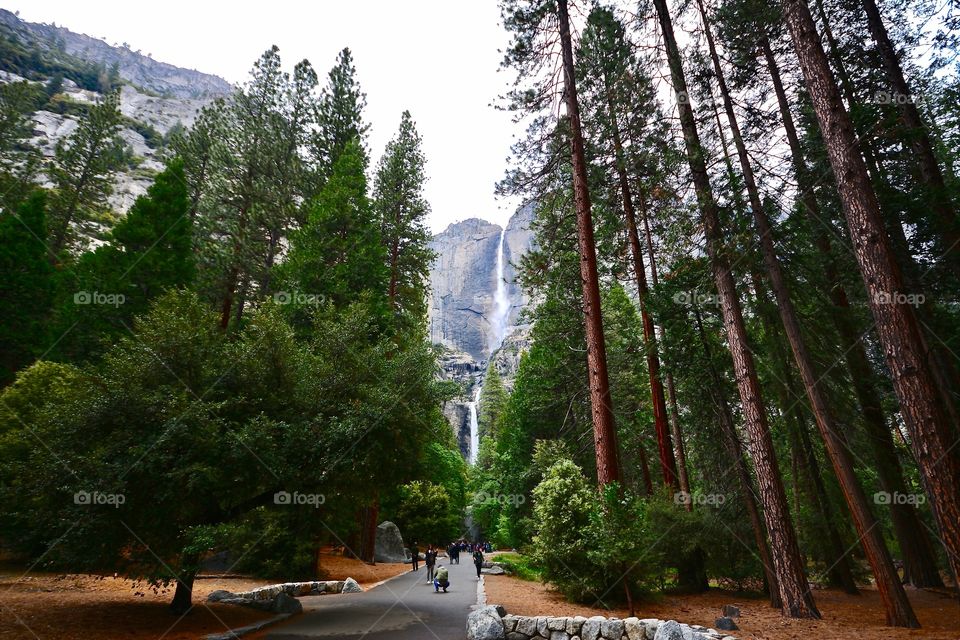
82	173
520	566
427	513
493	399
337	255
339	117
148	252
402	210
26	286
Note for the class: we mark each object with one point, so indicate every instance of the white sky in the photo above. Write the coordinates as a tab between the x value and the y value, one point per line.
437	58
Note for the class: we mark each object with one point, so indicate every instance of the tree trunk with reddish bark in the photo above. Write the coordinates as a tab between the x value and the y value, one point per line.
920	565
797	601
899	613
924	412
604	432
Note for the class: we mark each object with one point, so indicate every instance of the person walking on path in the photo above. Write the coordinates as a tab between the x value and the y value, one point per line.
442	581
430	560
478	560
415	552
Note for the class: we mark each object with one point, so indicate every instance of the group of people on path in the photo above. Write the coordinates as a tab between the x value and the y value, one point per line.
439	576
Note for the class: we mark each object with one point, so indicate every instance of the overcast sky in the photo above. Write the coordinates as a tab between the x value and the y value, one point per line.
437	58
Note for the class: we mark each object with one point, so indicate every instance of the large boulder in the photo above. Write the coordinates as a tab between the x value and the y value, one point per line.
351	586
484	623
389	544
284	603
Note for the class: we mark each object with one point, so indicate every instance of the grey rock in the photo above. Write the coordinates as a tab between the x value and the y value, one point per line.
731	611
219	595
634	629
509	623
559	635
388	546
527	626
669	630
726	624
495	570
575	624
513	635
484	623
650	625
556	624
542	627
286	604
351	586
591	628
612	629
501	610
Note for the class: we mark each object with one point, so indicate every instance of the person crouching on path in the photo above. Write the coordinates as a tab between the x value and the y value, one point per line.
442	580
478	560
430	560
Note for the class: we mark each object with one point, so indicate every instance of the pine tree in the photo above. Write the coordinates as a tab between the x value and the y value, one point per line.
149	252
338	254
924	408
339	116
26	286
493	399
796	598
402	210
82	172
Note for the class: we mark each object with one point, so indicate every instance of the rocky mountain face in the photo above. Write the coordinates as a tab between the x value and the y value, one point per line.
154	96
463	310
142	71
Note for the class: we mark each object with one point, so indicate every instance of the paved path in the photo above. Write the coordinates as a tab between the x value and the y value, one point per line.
404	608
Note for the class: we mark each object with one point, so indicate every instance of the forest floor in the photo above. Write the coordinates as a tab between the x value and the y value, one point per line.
844	616
74	607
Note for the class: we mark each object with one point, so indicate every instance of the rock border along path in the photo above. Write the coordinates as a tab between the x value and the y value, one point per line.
490	622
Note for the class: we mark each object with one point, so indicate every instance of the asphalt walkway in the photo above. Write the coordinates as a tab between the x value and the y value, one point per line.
403	608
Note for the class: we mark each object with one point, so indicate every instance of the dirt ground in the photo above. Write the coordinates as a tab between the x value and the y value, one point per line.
844	616
42	606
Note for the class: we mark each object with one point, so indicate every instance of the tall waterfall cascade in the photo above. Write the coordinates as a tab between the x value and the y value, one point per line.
498	330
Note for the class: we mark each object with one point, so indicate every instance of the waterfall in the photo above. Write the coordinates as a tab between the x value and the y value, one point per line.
501	302
474	427
498	330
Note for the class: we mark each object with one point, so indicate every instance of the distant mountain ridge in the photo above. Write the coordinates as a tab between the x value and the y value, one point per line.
151	75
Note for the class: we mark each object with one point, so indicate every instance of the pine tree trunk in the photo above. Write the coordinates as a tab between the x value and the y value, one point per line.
668	464
795	594
896	605
735	449
183	595
918	139
920	566
604	432
671	388
921	405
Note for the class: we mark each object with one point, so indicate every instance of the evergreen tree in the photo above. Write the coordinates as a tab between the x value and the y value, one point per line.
26	286
339	117
338	255
402	210
493	399
82	173
148	252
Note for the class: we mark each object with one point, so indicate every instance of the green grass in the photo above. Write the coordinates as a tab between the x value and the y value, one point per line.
521	566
